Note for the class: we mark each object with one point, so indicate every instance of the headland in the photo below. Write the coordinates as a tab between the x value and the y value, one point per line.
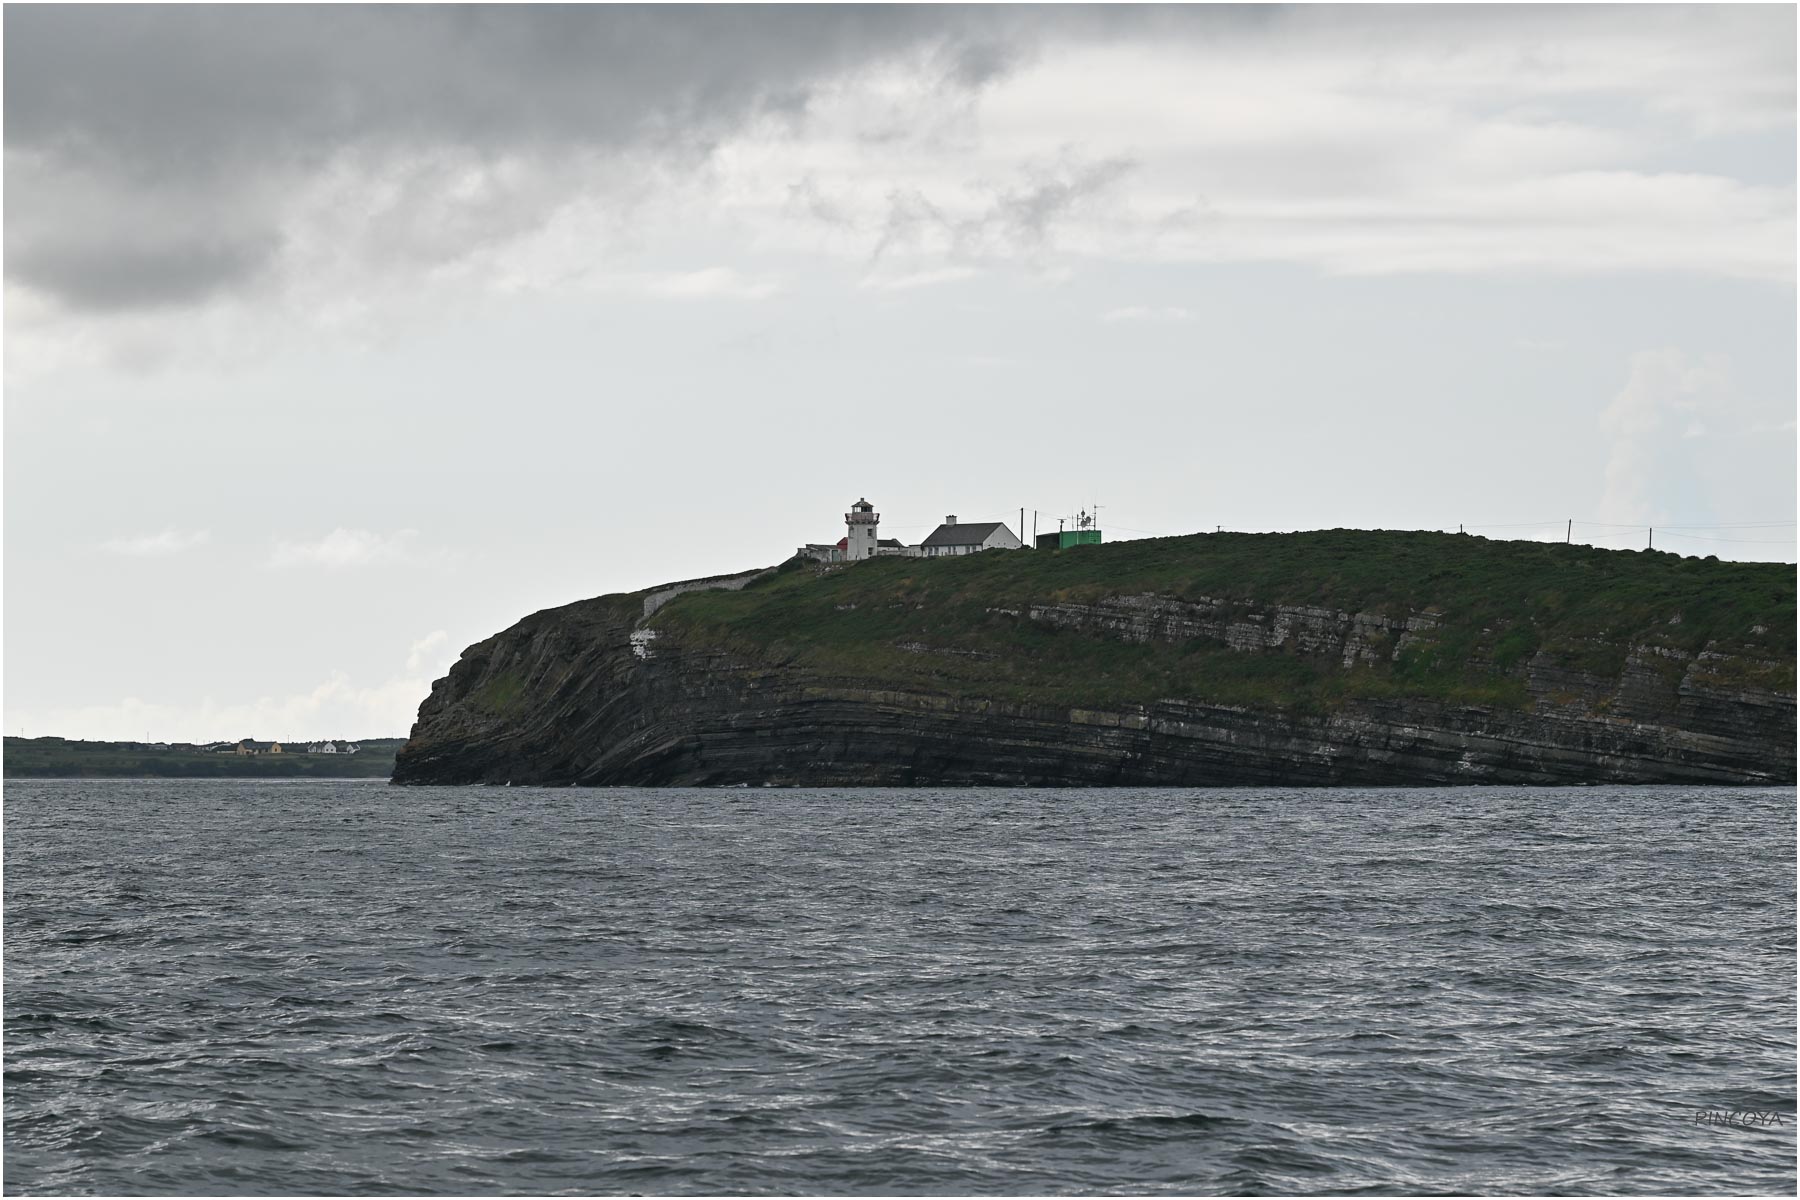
1339	657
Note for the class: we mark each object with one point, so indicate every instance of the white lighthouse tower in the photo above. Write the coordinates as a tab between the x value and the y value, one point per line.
862	520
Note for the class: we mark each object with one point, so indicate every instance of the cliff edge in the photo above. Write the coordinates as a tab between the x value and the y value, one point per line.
1336	657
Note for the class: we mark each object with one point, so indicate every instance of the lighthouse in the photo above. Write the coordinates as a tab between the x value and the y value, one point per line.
862	520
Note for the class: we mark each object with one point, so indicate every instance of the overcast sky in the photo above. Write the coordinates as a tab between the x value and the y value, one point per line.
338	339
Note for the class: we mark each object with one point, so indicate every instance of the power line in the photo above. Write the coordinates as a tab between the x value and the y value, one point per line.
1737	525
1519	525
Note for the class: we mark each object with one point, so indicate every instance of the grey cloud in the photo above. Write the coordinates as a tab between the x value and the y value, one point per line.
1020	219
910	215
108	277
806	199
191	88
979	63
216	111
139	125
186	89
1029	212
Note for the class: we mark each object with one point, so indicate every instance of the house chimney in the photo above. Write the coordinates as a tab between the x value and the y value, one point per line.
950	520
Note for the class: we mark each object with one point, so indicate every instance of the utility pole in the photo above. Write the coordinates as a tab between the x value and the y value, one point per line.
1652	544
1569	533
1021	522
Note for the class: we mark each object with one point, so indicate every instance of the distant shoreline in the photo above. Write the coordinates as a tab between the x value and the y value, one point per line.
215	778
61	758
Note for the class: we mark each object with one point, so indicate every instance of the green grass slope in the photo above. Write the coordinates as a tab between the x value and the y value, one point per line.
933	624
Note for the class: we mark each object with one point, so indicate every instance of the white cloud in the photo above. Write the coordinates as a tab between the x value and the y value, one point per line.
1664	399
713	283
336	707
915	279
1382	208
1300	149
352	548
169	541
1141	313
422	650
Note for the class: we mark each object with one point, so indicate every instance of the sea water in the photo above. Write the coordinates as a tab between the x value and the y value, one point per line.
345	987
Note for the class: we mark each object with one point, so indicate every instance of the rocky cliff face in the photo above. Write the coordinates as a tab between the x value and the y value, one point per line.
598	693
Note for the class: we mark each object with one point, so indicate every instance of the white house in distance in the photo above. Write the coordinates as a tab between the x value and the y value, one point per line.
862	539
951	538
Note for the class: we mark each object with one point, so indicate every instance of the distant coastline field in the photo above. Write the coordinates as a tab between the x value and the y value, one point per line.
50	757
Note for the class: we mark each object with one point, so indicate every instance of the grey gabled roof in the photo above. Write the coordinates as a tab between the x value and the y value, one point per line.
971	534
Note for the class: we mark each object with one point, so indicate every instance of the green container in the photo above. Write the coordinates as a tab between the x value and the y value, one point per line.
1064	538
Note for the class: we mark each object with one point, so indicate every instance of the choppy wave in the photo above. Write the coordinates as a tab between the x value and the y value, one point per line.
224	987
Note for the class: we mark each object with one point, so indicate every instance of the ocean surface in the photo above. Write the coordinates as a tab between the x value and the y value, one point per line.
242	986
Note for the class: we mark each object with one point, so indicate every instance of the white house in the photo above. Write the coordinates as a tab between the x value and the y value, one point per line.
952	538
322	748
862	539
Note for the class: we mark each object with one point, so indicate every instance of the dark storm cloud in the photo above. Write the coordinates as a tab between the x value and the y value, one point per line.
187	89
156	154
179	88
207	110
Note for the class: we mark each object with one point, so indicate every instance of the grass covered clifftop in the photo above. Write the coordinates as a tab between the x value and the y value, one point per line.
1453	618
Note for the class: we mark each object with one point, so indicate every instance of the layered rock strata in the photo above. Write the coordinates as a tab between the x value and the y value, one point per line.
590	694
